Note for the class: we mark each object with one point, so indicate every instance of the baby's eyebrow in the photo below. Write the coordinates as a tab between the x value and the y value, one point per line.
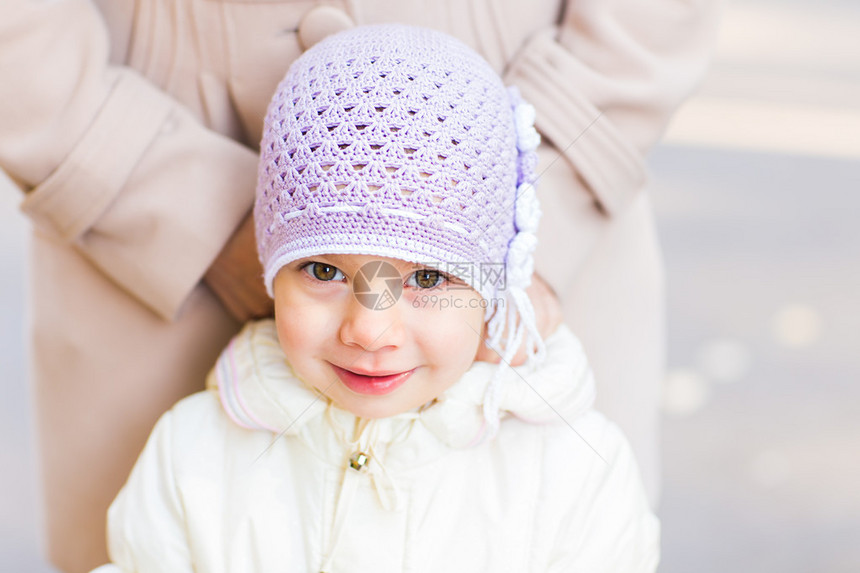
440	268
346	262
332	258
435	265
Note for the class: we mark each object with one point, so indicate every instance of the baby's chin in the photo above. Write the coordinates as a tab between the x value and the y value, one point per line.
376	408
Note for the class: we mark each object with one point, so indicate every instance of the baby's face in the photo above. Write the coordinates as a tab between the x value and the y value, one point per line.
378	336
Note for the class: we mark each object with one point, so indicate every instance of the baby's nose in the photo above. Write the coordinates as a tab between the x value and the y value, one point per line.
372	327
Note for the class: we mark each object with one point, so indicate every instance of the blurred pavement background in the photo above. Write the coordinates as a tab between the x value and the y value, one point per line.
757	200
756	191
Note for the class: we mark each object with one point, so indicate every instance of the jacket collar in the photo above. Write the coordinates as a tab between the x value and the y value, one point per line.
258	390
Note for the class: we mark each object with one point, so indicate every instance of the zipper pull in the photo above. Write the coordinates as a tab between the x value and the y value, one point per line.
359	461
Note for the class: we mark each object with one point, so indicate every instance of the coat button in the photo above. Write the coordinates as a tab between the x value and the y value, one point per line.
321	22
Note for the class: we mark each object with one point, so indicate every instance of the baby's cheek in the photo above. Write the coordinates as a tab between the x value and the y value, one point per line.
465	334
295	328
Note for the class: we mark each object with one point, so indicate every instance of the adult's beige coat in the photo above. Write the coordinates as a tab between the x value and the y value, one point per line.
131	127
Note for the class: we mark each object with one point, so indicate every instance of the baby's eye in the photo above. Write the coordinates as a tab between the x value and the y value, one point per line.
426	278
323	272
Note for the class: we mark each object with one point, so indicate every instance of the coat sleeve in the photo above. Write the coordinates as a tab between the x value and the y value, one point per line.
110	163
608	526
606	80
146	522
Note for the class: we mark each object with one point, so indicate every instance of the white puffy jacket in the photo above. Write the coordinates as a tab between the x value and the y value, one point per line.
255	475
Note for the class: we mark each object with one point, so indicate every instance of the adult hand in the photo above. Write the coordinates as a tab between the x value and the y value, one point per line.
548	317
236	276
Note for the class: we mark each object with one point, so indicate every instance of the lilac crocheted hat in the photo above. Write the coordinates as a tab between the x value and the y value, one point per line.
396	141
402	142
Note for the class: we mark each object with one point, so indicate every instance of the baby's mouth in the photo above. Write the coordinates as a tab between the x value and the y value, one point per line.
372	383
